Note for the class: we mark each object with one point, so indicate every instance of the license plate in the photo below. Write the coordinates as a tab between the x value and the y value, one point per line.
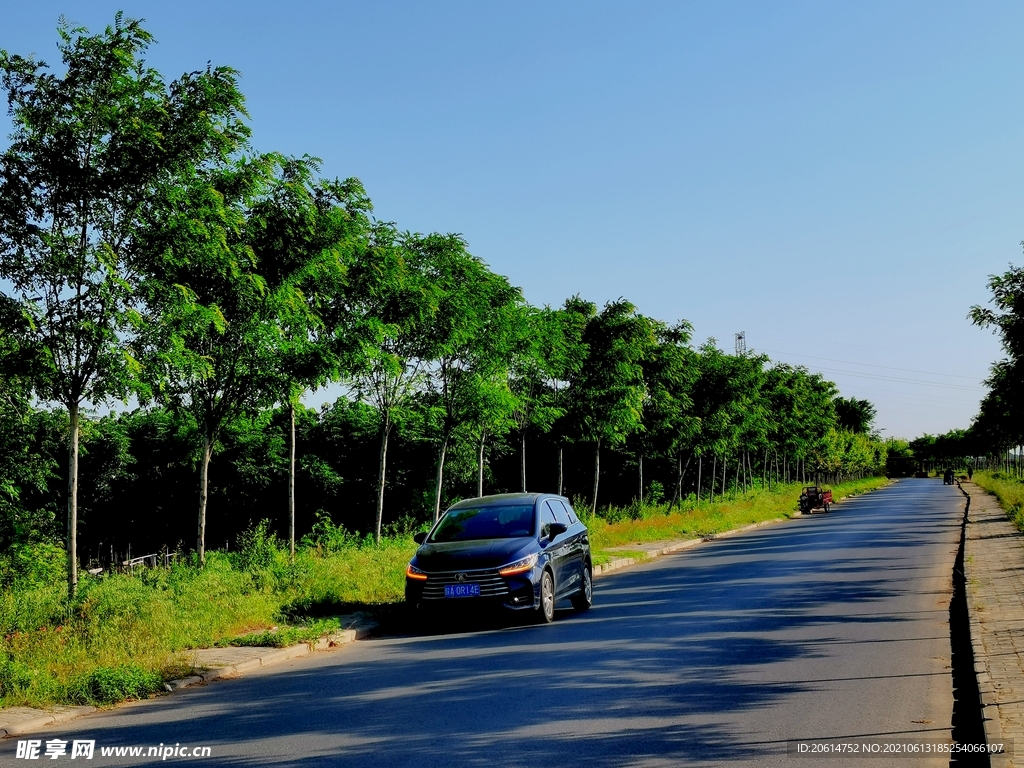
462	590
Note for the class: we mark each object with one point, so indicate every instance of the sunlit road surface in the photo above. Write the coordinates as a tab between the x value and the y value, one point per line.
825	627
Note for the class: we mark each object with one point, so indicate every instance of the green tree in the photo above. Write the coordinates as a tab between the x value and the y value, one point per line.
305	234
1000	421
465	337
394	304
854	415
607	393
89	154
212	333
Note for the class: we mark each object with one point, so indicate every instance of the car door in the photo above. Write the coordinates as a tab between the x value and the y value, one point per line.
578	538
556	546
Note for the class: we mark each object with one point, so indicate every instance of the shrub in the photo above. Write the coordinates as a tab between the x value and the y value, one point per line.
107	685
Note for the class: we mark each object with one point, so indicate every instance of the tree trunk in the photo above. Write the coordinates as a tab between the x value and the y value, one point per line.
522	462
73	502
640	467
480	465
714	475
700	467
559	470
204	474
678	495
725	462
597	475
382	476
736	483
764	471
440	478
291	480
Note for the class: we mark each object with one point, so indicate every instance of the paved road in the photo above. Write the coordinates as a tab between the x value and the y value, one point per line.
822	627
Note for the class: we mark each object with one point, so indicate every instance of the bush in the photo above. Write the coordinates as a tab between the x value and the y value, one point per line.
108	685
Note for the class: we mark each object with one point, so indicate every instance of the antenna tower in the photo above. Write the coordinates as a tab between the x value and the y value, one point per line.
741	343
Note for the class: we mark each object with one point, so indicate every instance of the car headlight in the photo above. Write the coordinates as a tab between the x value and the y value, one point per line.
519	566
412	572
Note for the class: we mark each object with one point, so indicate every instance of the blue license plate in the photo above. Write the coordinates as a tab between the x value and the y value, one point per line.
462	590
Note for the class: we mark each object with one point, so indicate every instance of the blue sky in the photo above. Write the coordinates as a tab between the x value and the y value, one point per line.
837	180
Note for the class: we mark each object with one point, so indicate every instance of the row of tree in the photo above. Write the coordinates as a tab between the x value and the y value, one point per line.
148	252
995	438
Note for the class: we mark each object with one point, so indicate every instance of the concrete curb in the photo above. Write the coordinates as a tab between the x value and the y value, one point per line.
678	546
43	719
986	690
275	656
34	722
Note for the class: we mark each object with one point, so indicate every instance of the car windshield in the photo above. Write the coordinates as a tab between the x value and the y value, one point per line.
493	522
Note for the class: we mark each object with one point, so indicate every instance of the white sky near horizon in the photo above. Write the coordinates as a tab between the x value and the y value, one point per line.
836	180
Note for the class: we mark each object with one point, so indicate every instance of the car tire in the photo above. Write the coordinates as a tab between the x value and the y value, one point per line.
583	599
418	620
546	609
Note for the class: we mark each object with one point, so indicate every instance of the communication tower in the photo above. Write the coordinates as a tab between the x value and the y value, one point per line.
741	343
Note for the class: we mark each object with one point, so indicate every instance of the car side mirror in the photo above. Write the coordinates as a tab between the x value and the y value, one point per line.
420	537
556	529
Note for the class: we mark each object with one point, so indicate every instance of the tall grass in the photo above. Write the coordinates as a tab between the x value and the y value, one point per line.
125	634
1008	489
640	523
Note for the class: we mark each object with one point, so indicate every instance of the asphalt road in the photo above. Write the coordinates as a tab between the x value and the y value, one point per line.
829	626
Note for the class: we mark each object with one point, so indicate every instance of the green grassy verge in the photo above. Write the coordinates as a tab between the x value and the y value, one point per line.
637	525
1009	491
126	634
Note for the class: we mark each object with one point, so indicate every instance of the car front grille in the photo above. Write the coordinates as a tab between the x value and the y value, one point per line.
491	584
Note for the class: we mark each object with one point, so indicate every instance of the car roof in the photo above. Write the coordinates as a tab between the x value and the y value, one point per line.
503	499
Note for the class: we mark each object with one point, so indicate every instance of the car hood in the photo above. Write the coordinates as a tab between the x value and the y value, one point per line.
468	555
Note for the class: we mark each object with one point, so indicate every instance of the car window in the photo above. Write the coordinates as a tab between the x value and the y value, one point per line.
496	522
569	511
546	515
560	514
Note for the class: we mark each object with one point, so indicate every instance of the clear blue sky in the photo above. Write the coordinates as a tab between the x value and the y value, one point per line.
837	180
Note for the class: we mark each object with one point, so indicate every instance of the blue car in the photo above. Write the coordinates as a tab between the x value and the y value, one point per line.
515	551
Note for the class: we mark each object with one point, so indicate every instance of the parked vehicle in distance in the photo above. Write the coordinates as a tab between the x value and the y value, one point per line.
513	551
814	497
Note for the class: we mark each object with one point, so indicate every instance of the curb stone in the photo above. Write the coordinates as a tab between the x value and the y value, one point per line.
16	721
677	546
27	720
986	689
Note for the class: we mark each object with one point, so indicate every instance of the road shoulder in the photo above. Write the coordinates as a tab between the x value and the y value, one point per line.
994	571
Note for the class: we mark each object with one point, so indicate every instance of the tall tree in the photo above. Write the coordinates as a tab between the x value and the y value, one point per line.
607	394
393	303
854	415
212	333
89	154
473	306
305	234
1001	418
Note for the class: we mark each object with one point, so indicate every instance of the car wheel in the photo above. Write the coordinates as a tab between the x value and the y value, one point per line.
583	599
418	620
546	611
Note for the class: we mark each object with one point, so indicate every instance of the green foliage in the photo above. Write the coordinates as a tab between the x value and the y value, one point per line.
854	415
1000	420
308	633
109	685
1008	489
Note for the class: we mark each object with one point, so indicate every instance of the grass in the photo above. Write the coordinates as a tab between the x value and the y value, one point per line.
638	525
1009	490
125	634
